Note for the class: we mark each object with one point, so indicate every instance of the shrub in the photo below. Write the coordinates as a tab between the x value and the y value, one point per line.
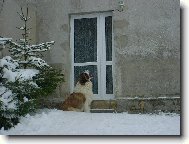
25	79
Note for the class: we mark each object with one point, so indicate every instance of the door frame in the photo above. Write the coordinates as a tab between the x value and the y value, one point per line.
101	54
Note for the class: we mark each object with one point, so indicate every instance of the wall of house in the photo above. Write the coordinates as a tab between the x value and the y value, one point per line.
147	44
146	41
53	23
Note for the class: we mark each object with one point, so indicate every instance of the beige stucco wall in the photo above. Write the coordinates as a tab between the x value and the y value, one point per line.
146	41
147	48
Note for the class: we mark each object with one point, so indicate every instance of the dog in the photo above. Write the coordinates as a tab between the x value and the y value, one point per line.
74	102
80	100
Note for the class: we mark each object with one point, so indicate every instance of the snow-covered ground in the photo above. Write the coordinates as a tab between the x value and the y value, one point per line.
56	122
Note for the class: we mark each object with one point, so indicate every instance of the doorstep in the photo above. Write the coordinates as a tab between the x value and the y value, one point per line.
103	106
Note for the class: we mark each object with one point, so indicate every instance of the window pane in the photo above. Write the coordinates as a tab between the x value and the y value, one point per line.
109	80
93	71
108	34
85	40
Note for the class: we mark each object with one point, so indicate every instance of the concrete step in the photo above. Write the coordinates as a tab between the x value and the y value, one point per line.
133	105
104	104
103	111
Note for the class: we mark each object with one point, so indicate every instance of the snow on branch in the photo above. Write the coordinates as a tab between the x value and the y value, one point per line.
3	41
8	62
38	62
15	48
41	47
14	45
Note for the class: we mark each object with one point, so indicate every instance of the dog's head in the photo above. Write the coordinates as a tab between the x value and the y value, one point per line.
84	77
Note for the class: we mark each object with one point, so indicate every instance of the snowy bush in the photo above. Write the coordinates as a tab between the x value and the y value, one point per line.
25	79
7	108
17	92
3	41
48	79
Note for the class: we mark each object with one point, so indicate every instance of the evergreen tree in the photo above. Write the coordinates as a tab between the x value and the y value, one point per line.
20	92
23	52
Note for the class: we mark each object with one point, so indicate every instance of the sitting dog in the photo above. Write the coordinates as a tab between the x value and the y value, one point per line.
81	98
74	102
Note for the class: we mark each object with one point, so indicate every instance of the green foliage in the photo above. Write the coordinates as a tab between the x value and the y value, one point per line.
8	118
48	79
23	99
27	95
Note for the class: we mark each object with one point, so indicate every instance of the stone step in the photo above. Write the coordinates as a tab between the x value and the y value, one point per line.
103	111
104	104
149	105
132	105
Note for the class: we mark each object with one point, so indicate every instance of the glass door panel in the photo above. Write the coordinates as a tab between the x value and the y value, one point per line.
108	37
85	40
91	42
108	40
93	71
109	80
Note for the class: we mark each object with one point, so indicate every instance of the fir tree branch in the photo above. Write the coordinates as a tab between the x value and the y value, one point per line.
39	47
4	92
14	45
21	16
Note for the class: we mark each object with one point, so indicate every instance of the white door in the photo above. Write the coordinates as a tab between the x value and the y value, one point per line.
91	44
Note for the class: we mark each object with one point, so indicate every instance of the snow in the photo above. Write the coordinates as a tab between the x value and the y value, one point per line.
8	62
38	62
4	40
25	99
6	98
11	73
41	47
56	122
21	28
26	74
21	74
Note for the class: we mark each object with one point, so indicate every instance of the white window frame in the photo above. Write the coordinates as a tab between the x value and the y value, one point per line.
101	54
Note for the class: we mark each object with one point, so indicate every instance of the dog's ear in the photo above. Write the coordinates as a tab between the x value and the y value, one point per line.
84	77
86	71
